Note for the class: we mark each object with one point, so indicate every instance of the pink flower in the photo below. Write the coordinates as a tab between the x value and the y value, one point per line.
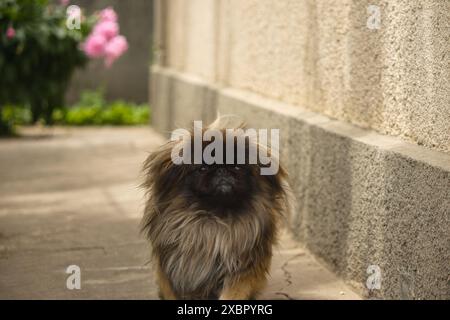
95	46
114	49
64	2
108	29
10	32
104	40
108	14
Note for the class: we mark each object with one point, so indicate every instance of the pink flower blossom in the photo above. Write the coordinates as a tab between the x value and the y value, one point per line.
95	46
10	32
64	2
104	40
108	14
108	29
114	49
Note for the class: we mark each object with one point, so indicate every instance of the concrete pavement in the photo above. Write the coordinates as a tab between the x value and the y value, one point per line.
70	196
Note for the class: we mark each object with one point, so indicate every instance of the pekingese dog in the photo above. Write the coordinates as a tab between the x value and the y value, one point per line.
212	224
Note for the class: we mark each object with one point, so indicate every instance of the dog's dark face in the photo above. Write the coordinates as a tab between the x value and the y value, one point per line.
214	187
230	186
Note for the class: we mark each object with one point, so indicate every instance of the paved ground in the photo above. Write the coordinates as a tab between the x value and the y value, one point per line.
70	196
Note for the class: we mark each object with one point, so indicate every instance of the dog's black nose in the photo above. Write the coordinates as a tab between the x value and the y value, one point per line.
224	188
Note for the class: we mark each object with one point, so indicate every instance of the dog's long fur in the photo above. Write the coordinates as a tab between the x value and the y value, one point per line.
200	254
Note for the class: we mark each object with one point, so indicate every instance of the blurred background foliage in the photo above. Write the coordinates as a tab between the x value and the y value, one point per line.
92	109
38	56
37	62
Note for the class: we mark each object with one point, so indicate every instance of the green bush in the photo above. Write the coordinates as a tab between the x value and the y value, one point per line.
12	116
16	115
36	64
92	109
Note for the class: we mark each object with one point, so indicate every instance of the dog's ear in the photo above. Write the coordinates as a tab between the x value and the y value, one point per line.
159	165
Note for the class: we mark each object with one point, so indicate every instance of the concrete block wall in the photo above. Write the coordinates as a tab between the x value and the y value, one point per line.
320	55
178	99
363	197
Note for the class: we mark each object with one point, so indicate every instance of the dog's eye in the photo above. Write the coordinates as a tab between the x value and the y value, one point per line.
203	168
237	168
